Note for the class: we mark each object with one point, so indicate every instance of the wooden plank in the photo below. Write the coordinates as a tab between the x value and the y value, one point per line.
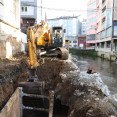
12	108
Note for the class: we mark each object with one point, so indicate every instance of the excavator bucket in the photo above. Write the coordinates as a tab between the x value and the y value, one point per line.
62	53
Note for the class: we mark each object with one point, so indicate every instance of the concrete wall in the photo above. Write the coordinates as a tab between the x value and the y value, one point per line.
10	13
9	46
108	56
10	38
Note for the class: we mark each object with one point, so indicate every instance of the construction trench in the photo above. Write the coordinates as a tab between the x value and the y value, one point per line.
74	93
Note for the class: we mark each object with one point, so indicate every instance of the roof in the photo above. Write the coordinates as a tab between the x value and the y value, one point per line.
64	17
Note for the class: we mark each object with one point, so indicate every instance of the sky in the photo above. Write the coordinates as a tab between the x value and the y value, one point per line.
78	7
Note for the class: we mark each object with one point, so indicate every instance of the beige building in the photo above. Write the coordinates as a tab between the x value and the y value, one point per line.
10	36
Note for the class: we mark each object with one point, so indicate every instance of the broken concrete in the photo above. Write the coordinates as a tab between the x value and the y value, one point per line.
83	93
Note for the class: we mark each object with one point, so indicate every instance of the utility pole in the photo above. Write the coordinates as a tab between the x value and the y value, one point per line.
41	10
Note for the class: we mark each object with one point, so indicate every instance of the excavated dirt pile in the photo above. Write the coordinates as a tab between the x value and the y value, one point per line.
11	72
84	94
77	94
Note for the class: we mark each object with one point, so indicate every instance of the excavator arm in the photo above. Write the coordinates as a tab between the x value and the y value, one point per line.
32	48
37	36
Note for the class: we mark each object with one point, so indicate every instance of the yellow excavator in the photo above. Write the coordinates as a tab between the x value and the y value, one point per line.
41	37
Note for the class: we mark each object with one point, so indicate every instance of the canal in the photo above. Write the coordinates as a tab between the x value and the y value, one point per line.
106	69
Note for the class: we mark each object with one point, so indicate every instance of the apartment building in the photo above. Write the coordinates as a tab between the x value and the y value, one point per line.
29	11
105	27
91	22
9	27
72	26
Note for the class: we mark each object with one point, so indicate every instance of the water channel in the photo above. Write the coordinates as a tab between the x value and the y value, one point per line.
106	69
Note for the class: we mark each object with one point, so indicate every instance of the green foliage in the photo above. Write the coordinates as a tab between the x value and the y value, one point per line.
89	52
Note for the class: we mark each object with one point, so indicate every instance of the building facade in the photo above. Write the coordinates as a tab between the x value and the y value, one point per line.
72	26
106	27
82	36
91	22
28	14
82	41
83	27
9	27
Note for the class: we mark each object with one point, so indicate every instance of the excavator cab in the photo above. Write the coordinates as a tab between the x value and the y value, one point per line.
57	37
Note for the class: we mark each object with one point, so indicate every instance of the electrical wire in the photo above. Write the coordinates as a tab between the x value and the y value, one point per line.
66	10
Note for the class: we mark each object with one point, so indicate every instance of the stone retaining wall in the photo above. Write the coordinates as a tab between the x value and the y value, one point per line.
9	46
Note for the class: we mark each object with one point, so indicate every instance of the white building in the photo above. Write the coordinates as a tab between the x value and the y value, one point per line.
29	13
83	28
9	27
72	26
9	15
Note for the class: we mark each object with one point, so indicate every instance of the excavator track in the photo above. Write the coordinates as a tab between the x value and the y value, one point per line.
61	53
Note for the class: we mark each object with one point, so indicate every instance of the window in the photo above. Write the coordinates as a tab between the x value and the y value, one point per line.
92	44
108	44
81	40
91	5
102	45
98	45
74	41
91	27
103	34
91	20
92	12
26	9
98	36
90	37
22	9
108	33
115	28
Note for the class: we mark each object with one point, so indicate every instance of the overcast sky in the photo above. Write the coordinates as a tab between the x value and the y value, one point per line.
79	5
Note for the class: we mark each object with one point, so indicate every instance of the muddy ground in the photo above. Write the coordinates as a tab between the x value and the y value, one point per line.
11	72
80	94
